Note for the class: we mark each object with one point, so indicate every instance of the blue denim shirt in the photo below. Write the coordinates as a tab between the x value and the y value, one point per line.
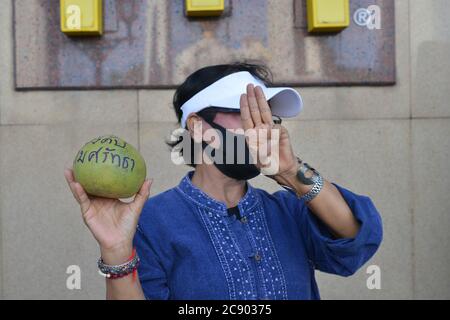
190	248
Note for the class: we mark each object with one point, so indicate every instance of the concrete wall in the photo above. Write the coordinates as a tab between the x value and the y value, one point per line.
391	143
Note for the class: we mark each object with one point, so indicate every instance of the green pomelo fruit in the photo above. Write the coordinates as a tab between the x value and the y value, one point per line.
109	167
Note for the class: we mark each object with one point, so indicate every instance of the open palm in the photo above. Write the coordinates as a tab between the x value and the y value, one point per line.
111	221
268	141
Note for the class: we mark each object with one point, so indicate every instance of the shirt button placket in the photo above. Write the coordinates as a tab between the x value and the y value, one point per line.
257	257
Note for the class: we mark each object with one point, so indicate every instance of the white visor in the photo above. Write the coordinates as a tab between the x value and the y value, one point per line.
226	93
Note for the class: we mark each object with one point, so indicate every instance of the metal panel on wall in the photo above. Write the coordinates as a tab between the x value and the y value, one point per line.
151	44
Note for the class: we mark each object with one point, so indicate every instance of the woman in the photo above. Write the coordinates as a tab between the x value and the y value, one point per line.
214	236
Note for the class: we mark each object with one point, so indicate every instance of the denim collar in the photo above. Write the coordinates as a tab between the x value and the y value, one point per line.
248	201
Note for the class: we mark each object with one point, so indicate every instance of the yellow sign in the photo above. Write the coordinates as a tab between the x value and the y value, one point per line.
81	17
204	8
328	15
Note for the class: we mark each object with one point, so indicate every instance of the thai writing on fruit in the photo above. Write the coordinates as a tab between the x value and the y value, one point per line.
107	153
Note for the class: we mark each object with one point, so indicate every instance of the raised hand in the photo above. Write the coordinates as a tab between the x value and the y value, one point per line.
267	141
112	222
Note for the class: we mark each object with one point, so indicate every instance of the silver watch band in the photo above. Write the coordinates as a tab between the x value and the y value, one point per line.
317	187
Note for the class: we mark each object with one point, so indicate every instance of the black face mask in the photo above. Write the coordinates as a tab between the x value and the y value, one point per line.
244	169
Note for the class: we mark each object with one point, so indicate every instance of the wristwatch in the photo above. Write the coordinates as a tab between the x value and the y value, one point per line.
302	173
315	179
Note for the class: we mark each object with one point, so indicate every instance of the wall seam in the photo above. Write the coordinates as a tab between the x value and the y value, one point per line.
411	162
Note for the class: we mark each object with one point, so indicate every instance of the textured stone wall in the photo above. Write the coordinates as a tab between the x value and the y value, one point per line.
162	47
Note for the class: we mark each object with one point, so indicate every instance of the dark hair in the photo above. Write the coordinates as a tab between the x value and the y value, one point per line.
206	76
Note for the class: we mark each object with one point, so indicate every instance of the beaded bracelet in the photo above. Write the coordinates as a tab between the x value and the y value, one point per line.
121	270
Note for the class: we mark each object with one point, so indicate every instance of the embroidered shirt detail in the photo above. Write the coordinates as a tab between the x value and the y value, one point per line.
245	250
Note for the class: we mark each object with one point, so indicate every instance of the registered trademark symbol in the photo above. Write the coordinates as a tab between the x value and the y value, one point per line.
362	17
368	17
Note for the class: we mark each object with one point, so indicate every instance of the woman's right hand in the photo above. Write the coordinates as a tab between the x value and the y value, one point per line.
112	222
